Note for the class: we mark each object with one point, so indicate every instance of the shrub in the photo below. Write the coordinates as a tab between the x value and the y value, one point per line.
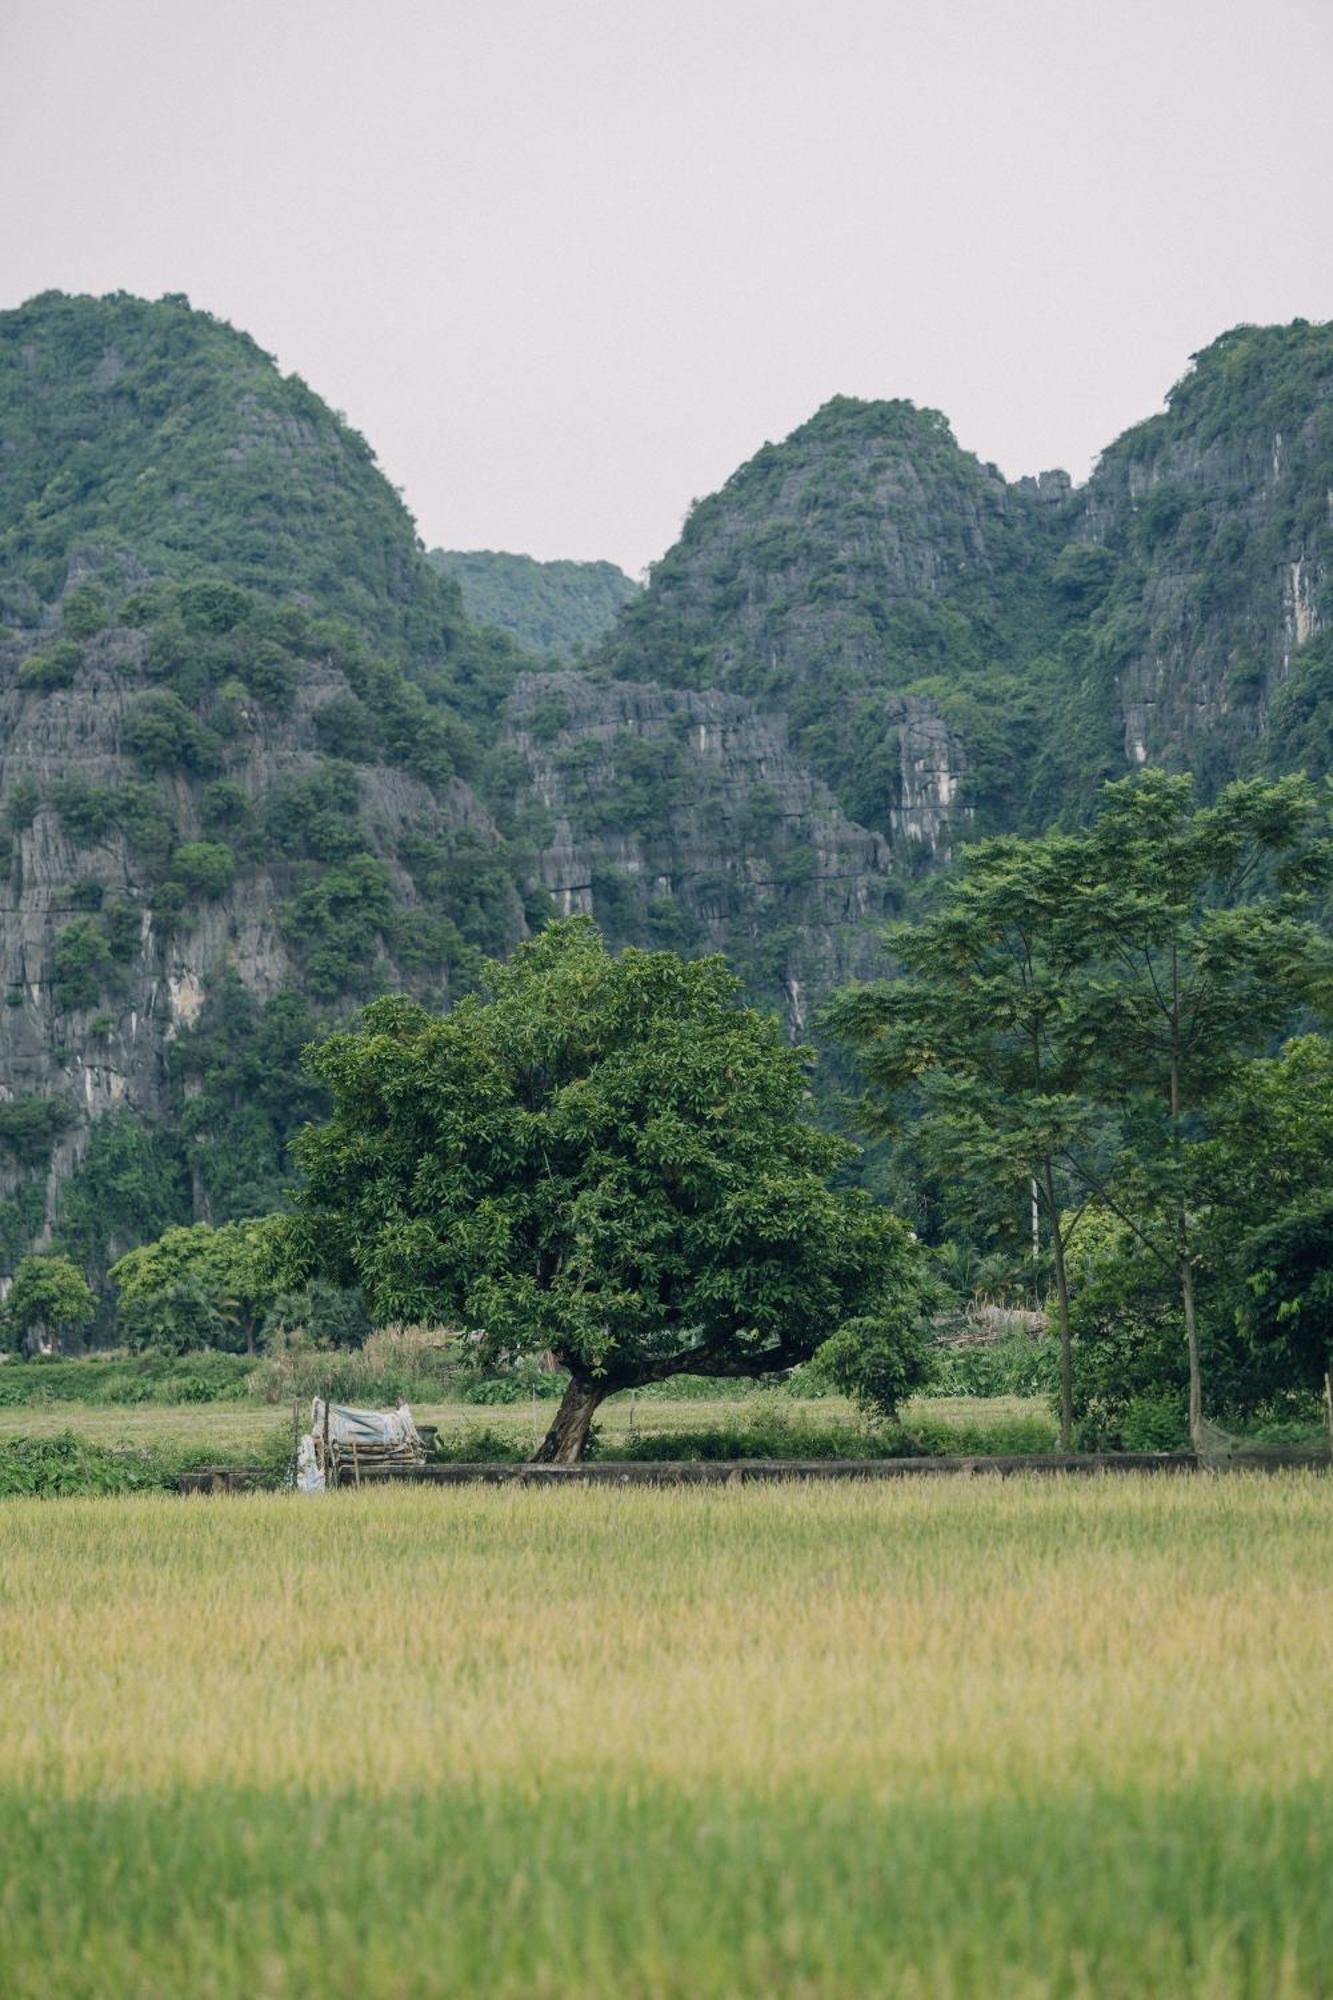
122	924
49	1299
165	736
1015	1366
81	961
999	1437
224	805
21	806
1151	1421
67	1465
213	606
85	612
204	868
419	1363
130	1380
30	1126
344	727
337	925
878	1361
479	1447
316	815
64	1465
54	667
88	813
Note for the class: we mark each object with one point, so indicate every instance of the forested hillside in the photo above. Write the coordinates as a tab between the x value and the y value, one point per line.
258	763
555	608
241	725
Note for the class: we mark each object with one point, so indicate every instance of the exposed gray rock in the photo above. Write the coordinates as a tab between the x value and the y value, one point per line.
741	850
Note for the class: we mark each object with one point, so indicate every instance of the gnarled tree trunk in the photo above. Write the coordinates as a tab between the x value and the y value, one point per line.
565	1441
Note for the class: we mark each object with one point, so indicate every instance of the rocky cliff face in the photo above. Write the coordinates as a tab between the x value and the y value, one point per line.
256	764
682	817
239	715
851	577
123	910
955	653
1219	517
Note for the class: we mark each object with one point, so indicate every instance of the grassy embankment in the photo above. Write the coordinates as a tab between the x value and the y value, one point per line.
1033	1738
165	1438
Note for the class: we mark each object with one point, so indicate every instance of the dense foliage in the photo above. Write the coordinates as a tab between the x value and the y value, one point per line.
555	608
274	702
48	1302
1076	1018
608	1158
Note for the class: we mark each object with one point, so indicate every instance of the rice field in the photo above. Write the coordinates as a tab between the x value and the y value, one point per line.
1022	1738
234	1429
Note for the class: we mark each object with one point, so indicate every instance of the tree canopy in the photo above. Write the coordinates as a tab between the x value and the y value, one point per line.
197	1287
609	1158
49	1300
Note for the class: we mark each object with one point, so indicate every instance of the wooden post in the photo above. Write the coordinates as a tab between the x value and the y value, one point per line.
1328	1402
329	1480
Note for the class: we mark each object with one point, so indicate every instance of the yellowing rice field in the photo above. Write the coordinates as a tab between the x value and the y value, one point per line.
1034	1737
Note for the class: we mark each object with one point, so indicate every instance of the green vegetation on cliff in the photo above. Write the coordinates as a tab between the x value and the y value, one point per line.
555	608
240	716
867	574
259	763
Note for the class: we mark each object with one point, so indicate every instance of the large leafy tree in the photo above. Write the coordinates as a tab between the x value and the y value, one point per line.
1268	1171
607	1157
1261	1221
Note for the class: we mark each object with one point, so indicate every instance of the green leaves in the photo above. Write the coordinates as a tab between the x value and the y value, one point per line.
1078	1014
48	1300
198	1286
607	1156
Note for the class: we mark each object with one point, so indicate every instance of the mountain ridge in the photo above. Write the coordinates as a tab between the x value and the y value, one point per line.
256	761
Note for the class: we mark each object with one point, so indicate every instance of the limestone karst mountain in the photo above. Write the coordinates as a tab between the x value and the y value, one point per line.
950	654
256	761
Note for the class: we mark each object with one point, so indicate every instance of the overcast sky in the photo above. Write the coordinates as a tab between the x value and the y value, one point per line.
567	262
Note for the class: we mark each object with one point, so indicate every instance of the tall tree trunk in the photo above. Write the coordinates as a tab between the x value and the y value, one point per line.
1183	1223
564	1443
1062	1315
1192	1342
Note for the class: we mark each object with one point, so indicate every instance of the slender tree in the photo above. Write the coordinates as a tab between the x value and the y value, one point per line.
1080	1002
969	1041
1188	927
